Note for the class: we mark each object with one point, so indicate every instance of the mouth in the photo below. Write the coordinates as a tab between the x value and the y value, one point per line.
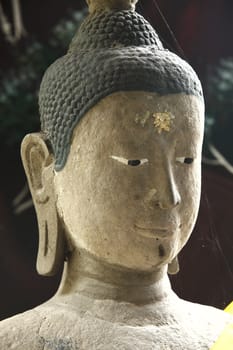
156	233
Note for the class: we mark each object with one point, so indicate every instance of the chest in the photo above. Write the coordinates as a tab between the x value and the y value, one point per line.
94	334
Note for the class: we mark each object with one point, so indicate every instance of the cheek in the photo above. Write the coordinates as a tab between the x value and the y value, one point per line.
91	197
113	185
189	183
190	189
73	196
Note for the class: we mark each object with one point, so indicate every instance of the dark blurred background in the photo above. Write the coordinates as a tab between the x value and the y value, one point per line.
199	31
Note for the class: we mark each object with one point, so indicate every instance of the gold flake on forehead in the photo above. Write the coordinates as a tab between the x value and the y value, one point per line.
163	121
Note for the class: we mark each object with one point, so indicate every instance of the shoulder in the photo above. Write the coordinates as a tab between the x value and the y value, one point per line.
207	314
21	331
207	323
43	327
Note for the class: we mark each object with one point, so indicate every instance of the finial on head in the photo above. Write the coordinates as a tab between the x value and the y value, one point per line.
96	5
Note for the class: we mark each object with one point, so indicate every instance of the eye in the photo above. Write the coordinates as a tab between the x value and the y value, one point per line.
134	162
185	160
131	162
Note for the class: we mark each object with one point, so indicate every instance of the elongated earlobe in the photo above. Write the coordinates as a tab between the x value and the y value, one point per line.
39	164
173	267
51	241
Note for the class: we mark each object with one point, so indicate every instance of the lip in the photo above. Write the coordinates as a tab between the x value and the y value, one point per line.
157	232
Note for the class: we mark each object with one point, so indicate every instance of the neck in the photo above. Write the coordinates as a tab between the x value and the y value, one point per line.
86	275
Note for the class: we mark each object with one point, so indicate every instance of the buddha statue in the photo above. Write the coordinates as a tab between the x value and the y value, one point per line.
115	176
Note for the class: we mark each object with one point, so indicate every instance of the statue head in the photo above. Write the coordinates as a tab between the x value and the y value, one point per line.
115	170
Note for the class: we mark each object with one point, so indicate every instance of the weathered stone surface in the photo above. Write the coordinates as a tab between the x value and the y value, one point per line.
116	214
122	225
103	325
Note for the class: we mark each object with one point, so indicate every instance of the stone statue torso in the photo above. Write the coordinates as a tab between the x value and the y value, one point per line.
106	324
115	177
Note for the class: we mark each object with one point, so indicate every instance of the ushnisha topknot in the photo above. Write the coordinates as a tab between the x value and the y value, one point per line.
115	49
98	5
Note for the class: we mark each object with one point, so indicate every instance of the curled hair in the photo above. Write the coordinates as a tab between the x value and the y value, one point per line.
112	51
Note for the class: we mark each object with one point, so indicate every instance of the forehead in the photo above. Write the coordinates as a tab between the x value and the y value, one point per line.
136	117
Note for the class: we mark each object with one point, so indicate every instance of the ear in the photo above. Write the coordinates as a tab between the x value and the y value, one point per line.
38	163
173	266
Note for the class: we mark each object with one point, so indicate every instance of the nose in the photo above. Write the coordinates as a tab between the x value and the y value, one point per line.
169	197
166	195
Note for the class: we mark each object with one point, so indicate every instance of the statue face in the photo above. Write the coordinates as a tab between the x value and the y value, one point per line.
129	192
